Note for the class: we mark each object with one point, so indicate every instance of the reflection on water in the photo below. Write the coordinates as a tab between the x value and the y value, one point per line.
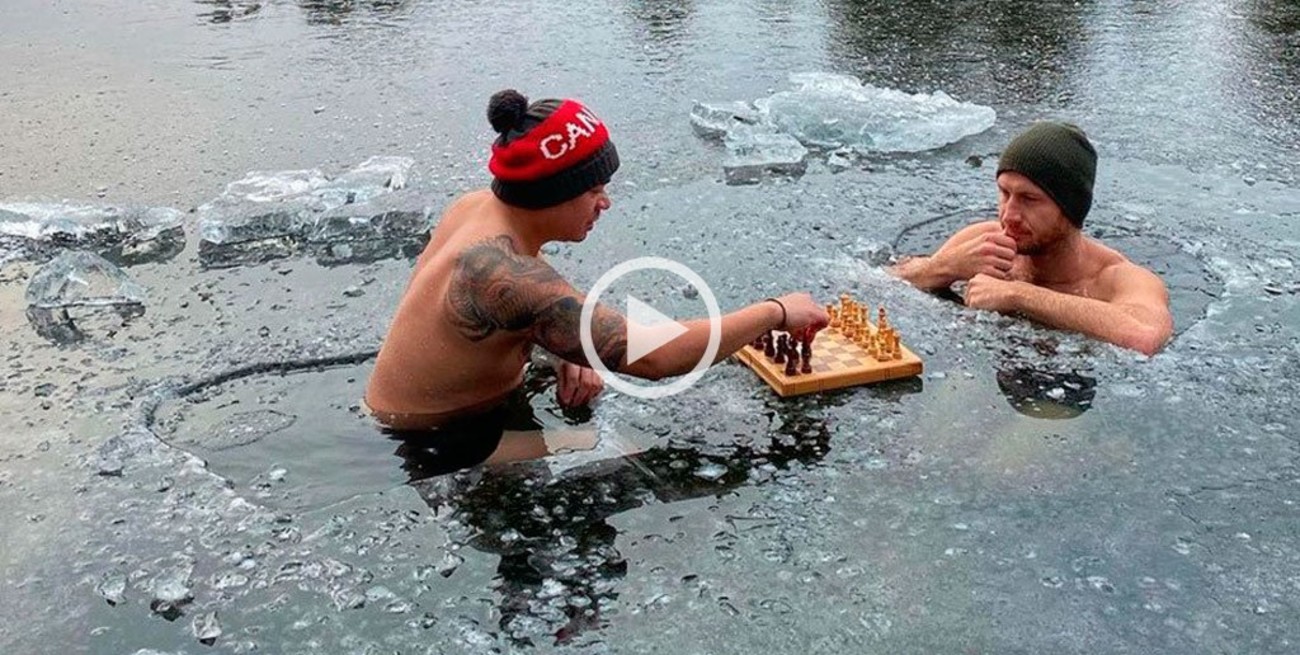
1045	394
225	11
991	51
317	12
560	565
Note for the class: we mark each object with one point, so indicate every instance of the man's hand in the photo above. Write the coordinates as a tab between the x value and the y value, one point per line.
993	294
803	314
576	385
989	252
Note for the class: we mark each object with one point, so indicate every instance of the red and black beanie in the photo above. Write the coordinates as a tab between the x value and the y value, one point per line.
548	152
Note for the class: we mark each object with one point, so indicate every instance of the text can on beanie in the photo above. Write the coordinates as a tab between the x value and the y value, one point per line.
1059	159
547	153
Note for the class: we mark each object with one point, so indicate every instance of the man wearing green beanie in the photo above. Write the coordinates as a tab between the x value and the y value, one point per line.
1035	260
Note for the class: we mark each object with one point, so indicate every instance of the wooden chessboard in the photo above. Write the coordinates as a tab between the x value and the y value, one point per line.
837	363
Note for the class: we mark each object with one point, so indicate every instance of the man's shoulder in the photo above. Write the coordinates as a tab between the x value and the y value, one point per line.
1121	275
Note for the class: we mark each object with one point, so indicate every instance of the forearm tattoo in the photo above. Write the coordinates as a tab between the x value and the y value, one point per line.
494	287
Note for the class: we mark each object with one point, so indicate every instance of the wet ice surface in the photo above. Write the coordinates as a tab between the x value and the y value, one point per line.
1030	474
1034	491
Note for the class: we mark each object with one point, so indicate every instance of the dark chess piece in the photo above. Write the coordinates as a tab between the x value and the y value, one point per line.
768	349
792	363
781	348
807	365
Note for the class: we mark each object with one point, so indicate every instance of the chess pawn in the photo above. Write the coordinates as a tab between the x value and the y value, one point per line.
897	349
792	362
807	364
835	317
883	321
844	301
768	349
780	349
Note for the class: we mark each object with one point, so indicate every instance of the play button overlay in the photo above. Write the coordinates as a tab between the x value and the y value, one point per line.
648	329
641	342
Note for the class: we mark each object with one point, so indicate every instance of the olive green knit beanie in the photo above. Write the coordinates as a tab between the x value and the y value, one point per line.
1059	159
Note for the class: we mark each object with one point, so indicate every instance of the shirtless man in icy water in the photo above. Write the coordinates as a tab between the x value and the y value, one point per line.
481	296
1035	261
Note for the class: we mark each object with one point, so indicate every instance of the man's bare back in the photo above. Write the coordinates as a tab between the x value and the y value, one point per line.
427	368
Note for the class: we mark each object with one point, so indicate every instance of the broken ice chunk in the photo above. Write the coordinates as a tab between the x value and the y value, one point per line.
79	285
714	120
391	225
233	233
206	628
755	153
266	186
126	235
76	278
371	178
828	110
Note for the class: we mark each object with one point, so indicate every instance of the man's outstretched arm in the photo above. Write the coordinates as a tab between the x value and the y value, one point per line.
495	288
1135	316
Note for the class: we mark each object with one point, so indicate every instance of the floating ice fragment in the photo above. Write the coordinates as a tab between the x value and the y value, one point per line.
265	186
828	110
450	562
112	588
173	586
713	120
378	592
78	278
126	235
832	112
757	153
710	471
206	628
370	178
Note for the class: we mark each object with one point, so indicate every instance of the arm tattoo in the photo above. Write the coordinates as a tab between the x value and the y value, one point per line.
493	288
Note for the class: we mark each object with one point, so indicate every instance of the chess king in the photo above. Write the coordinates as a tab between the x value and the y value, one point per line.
481	297
1034	259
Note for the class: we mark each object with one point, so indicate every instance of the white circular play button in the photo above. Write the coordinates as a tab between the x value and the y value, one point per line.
648	329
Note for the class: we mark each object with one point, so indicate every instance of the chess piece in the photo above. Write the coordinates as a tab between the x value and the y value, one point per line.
780	349
807	366
883	321
792	363
898	348
768	349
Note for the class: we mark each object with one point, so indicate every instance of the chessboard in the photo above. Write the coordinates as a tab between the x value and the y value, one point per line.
852	351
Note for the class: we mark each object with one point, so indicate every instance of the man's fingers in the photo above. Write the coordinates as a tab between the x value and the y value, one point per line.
567	386
1002	240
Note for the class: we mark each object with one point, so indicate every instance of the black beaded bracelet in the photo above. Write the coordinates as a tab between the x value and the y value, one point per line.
784	316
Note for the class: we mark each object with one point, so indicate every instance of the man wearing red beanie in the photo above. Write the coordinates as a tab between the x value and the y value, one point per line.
1034	260
481	297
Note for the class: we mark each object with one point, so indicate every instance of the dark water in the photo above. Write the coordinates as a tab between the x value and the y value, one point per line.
1032	492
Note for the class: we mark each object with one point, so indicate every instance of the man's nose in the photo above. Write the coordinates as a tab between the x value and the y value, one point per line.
605	202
